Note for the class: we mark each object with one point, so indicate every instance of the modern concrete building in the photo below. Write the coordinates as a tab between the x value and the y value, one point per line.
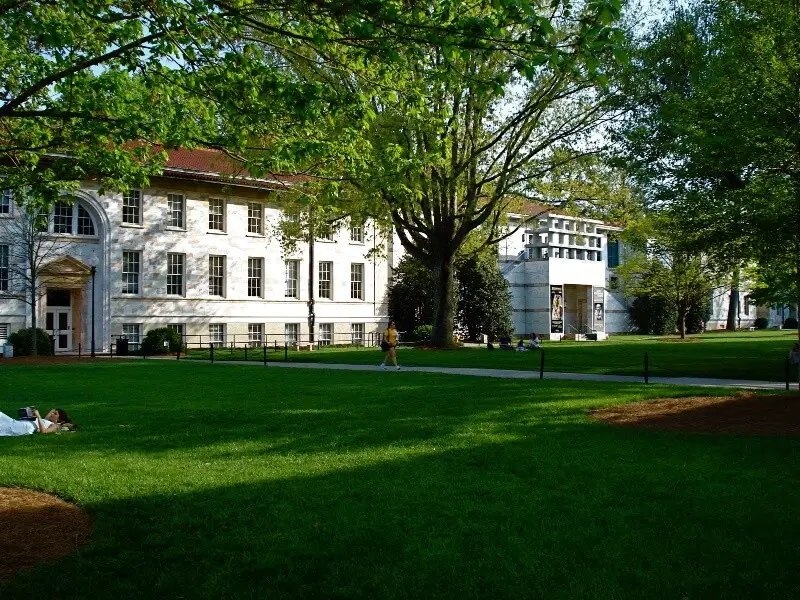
195	251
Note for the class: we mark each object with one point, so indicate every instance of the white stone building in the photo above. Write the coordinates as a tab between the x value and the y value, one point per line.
194	252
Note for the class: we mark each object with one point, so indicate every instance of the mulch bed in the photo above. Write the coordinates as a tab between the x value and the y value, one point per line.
744	413
36	528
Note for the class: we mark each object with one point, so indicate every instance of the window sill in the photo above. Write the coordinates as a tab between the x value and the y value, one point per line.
173	228
255	235
131	225
355	243
216	232
323	241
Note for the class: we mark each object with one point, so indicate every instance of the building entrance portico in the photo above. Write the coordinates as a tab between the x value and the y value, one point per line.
65	281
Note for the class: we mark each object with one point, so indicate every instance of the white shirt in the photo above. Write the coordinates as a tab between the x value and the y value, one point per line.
11	427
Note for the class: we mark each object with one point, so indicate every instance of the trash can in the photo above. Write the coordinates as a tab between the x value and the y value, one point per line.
122	347
8	351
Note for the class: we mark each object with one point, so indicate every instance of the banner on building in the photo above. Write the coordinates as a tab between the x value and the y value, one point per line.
598	314
556	309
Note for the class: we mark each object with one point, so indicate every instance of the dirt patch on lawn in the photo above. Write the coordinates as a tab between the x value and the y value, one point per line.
744	413
37	528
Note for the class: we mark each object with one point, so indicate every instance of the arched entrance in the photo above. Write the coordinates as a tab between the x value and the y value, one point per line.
65	280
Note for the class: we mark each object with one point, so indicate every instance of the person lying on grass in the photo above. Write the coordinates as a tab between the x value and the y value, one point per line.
53	422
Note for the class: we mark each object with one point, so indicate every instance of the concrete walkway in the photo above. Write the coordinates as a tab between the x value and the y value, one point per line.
508	374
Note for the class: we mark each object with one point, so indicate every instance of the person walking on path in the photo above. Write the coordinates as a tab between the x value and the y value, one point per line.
389	345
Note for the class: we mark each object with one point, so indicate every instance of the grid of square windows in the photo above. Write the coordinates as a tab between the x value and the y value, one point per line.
175	271
133	332
357	233
6	197
291	332
255	277
255	214
325	337
62	218
177	207
132	207
292	269
216	214
255	334
5	276
357	333
131	268
357	281
216	332
216	275
324	279
85	223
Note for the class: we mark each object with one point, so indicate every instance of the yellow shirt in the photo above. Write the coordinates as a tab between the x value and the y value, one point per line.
391	336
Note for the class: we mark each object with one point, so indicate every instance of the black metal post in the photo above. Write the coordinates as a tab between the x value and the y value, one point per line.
245	352
212	354
94	272
646	368
79	350
541	364
286	351
265	355
788	373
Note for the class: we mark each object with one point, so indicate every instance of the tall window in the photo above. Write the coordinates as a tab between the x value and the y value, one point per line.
325	337
216	275
357	233
175	270
132	207
180	330
85	224
6	197
255	212
4	269
132	331
357	333
255	277
357	281
131	267
292	268
255	334
177	207
612	251
291	332
216	332
216	214
62	218
325	276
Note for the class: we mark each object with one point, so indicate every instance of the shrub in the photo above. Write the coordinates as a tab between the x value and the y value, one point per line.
154	341
22	341
697	317
422	333
761	323
653	316
790	323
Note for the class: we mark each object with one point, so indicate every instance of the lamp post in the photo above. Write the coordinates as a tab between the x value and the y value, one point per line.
93	263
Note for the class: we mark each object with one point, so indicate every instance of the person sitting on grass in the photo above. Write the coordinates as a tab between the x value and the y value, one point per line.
505	343
521	346
534	343
54	421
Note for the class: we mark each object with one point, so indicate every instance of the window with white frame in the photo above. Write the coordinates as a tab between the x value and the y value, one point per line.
62	218
326	235
325	337
5	276
292	269
175	271
6	199
357	281
291	333
216	275
255	277
85	223
255	218
216	333
216	214
325	280
255	334
180	329
131	268
176	205
357	333
357	233
133	332
132	207
4	328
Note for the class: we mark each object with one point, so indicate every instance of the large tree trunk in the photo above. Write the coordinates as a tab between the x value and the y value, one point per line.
733	303
682	312
444	299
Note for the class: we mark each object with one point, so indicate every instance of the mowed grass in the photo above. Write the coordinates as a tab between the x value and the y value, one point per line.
759	355
225	481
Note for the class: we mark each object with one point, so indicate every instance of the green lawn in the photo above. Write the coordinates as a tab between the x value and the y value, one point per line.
757	355
221	481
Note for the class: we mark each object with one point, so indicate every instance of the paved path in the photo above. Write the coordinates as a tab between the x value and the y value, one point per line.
508	374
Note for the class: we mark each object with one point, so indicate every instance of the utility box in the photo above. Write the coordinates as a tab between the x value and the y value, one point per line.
8	351
122	347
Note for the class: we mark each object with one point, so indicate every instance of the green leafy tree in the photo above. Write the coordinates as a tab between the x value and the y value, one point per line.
484	297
